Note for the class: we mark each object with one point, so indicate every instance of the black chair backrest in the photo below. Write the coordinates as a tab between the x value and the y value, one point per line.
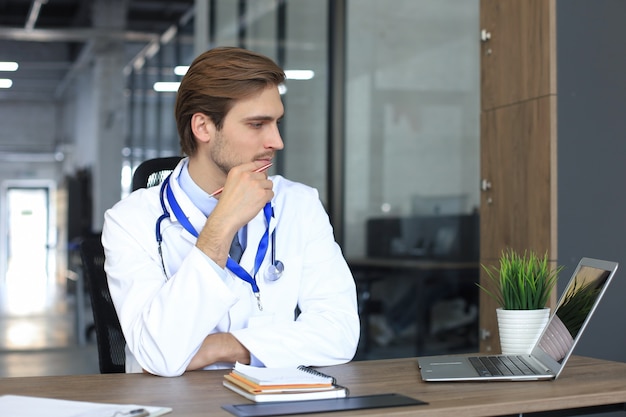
153	171
111	342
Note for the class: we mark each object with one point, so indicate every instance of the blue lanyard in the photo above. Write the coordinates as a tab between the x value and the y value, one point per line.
230	263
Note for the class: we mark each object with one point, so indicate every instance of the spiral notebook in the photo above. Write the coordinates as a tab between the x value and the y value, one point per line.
282	384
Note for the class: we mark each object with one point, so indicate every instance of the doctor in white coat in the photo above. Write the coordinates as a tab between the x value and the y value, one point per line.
184	303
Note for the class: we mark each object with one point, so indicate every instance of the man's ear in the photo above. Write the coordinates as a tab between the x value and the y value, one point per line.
202	127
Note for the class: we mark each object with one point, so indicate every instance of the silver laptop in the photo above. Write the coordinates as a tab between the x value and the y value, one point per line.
553	348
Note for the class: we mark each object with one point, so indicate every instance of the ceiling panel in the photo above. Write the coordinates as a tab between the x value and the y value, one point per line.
58	39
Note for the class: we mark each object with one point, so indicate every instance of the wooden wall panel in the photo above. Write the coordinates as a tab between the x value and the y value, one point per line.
518	138
518	59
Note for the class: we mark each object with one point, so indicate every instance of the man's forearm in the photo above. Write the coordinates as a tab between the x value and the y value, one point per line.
219	347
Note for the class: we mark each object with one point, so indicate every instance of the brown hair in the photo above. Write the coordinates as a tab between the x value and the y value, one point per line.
214	81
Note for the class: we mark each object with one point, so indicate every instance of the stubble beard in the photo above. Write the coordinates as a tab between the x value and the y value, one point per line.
220	154
225	159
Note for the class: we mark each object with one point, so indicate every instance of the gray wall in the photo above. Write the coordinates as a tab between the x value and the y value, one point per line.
591	49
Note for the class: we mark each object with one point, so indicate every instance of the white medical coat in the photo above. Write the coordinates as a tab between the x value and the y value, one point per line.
165	320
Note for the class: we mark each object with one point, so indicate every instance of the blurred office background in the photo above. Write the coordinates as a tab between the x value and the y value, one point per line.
382	116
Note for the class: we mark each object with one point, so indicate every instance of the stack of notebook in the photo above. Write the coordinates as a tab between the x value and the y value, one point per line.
282	384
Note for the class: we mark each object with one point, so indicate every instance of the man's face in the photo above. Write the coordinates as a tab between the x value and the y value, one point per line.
250	131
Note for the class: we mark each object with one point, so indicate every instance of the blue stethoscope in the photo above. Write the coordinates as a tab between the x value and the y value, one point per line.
274	270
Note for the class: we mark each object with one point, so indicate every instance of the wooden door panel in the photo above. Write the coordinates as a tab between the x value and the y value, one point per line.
517	156
518	137
518	210
517	62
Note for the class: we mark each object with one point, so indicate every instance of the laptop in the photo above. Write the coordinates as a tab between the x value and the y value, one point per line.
553	348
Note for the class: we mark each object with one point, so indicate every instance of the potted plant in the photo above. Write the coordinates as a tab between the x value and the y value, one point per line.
521	285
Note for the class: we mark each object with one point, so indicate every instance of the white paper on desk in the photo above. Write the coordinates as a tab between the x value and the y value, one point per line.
22	406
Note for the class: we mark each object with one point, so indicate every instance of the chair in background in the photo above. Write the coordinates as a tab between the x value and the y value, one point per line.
153	171
110	339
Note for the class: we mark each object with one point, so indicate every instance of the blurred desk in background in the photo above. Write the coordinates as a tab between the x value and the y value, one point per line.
423	273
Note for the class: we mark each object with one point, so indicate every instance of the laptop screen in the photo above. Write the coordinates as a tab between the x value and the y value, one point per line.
577	304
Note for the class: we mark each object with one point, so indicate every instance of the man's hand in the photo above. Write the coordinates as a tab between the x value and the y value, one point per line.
244	195
219	347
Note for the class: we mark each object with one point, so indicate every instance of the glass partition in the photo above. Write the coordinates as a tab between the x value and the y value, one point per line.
412	126
412	172
411	136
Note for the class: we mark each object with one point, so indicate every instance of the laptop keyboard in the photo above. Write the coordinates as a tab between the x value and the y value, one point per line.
500	365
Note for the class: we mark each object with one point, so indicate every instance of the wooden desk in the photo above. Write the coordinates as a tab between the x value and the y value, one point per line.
368	270
584	383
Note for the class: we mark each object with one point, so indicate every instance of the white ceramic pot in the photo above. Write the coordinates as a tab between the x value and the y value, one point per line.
520	329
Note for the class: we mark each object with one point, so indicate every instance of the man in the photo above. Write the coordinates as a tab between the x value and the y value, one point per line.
289	301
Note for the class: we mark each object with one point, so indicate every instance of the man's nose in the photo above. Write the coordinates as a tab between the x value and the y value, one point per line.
274	140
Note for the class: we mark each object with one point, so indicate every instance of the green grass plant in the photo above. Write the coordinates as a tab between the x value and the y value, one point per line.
521	282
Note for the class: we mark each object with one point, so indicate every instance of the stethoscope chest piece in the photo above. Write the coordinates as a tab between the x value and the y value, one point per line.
274	271
276	268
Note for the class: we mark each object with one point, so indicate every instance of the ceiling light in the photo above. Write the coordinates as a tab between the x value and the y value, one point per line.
8	66
289	74
5	83
165	86
299	74
181	70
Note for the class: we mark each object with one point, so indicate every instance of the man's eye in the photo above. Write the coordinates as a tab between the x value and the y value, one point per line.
256	125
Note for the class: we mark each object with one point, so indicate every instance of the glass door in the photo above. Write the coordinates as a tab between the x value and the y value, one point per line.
28	257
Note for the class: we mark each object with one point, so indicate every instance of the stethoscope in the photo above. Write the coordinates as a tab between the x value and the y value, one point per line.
274	270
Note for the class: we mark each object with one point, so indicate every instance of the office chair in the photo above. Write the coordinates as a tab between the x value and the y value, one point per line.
154	171
110	339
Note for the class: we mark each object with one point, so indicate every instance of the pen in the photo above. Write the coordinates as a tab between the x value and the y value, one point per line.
137	412
261	169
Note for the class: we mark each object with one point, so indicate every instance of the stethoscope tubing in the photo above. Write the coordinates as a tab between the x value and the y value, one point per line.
274	270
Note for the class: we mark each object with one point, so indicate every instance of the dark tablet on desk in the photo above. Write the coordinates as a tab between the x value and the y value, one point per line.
319	406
